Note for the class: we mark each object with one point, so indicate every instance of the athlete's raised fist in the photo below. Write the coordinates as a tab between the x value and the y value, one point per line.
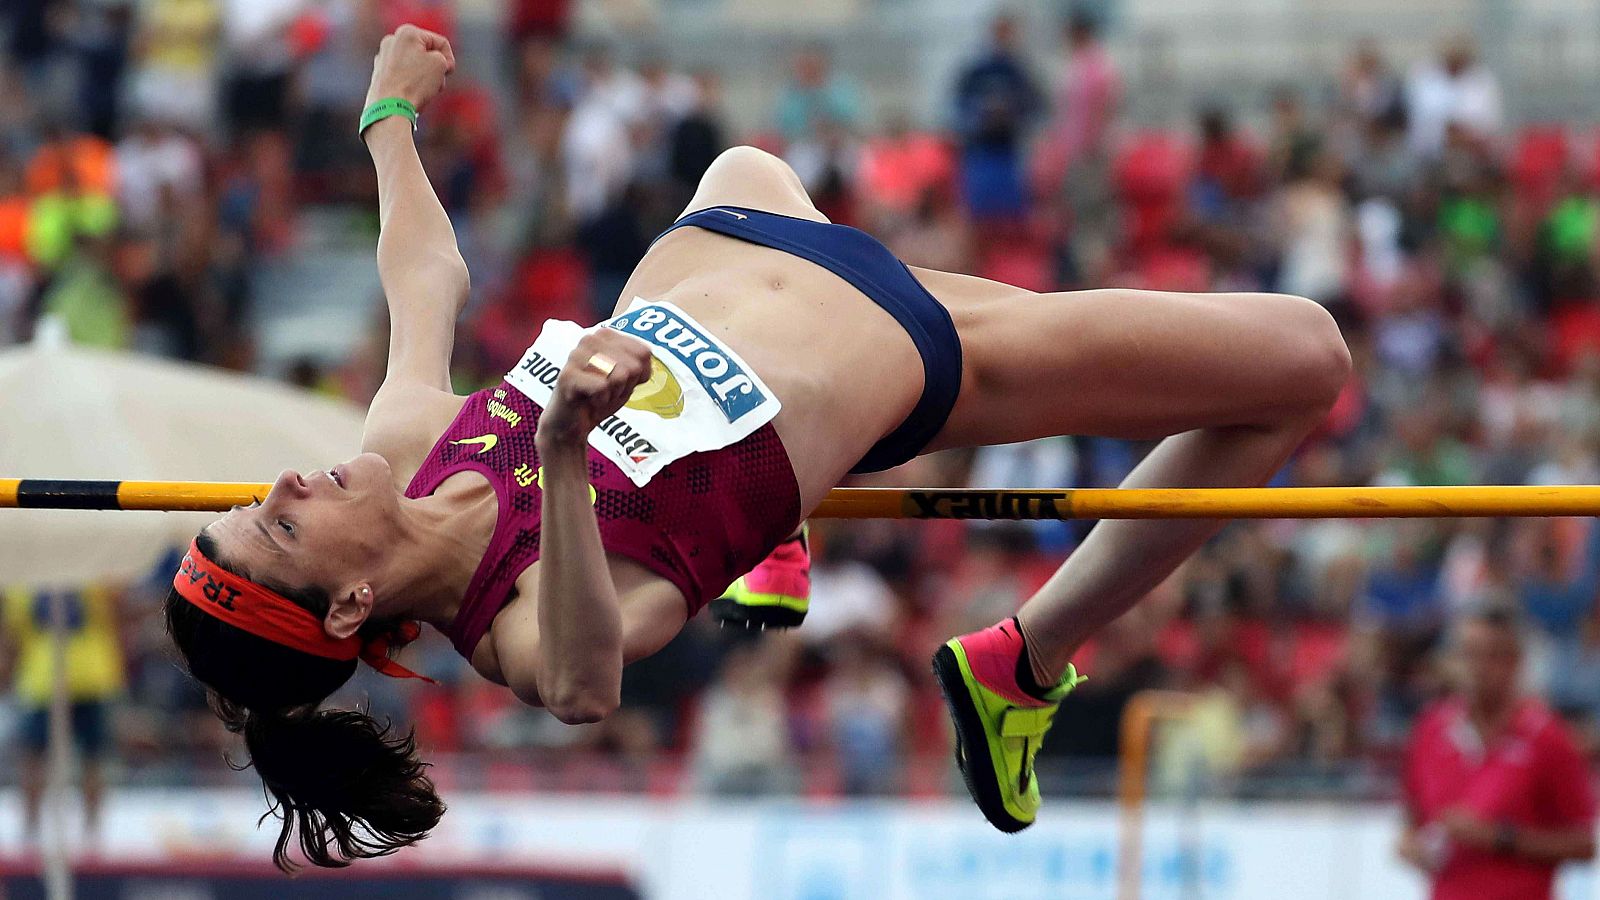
411	64
597	380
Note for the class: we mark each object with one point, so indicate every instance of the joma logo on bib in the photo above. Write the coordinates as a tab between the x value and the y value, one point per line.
700	397
634	445
730	388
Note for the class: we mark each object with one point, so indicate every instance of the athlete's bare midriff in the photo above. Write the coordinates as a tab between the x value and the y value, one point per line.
846	371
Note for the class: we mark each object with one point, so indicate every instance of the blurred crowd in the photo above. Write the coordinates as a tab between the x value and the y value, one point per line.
153	154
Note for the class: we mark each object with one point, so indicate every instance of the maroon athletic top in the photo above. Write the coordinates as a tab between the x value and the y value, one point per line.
700	523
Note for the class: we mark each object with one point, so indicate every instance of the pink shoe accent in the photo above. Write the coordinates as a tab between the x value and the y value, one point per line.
785	571
992	655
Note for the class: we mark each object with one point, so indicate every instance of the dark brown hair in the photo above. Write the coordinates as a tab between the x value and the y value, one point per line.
341	784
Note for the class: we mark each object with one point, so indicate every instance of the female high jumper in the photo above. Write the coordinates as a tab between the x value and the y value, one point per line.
569	520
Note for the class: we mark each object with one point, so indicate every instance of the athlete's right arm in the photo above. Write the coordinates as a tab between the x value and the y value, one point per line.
577	673
423	275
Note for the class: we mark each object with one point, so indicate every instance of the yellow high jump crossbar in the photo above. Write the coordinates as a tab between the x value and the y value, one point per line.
917	503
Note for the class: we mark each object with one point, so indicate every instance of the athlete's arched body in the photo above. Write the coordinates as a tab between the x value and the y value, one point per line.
1233	382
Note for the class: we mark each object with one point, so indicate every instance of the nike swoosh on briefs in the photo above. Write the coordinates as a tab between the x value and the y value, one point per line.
488	441
732	213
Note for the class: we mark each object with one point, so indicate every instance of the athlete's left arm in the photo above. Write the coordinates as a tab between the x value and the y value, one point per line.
419	265
424	278
578	670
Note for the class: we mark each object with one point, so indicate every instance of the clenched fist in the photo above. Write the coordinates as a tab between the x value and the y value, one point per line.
411	64
597	380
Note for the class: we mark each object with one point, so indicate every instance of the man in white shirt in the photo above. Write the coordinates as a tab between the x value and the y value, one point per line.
1455	89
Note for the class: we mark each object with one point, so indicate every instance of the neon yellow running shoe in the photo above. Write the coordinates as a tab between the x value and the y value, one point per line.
999	726
776	593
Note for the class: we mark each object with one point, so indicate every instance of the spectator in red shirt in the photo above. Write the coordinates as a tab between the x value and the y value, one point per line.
1497	795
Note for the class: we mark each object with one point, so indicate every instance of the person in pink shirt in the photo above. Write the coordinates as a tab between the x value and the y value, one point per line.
1496	792
1084	99
900	167
1073	162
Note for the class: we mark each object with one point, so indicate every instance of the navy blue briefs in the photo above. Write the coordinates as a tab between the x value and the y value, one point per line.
870	268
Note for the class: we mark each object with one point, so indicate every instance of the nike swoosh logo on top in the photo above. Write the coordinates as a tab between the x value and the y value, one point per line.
488	441
732	213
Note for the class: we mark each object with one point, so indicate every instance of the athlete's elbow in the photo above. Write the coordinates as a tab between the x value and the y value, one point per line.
460	279
585	715
433	271
451	275
583	708
579	701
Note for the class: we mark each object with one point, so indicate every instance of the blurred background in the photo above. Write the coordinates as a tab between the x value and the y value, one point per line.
180	180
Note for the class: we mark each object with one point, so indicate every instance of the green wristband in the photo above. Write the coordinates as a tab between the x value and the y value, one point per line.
379	110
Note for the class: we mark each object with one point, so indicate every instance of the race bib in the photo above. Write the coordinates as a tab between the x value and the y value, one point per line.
700	396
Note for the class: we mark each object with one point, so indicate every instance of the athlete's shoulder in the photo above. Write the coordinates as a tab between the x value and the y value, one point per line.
405	420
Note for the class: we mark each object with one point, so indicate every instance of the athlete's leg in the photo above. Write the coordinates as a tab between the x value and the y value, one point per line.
1123	560
1135	364
1236	380
776	593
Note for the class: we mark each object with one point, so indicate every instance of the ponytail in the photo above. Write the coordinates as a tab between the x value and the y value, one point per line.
344	789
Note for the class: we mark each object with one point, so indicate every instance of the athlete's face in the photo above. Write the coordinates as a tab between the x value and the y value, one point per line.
329	530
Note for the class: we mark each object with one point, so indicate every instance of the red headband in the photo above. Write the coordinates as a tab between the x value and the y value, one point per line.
267	614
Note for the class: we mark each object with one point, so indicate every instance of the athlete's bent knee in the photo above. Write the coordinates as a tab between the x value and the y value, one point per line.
1317	363
581	709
